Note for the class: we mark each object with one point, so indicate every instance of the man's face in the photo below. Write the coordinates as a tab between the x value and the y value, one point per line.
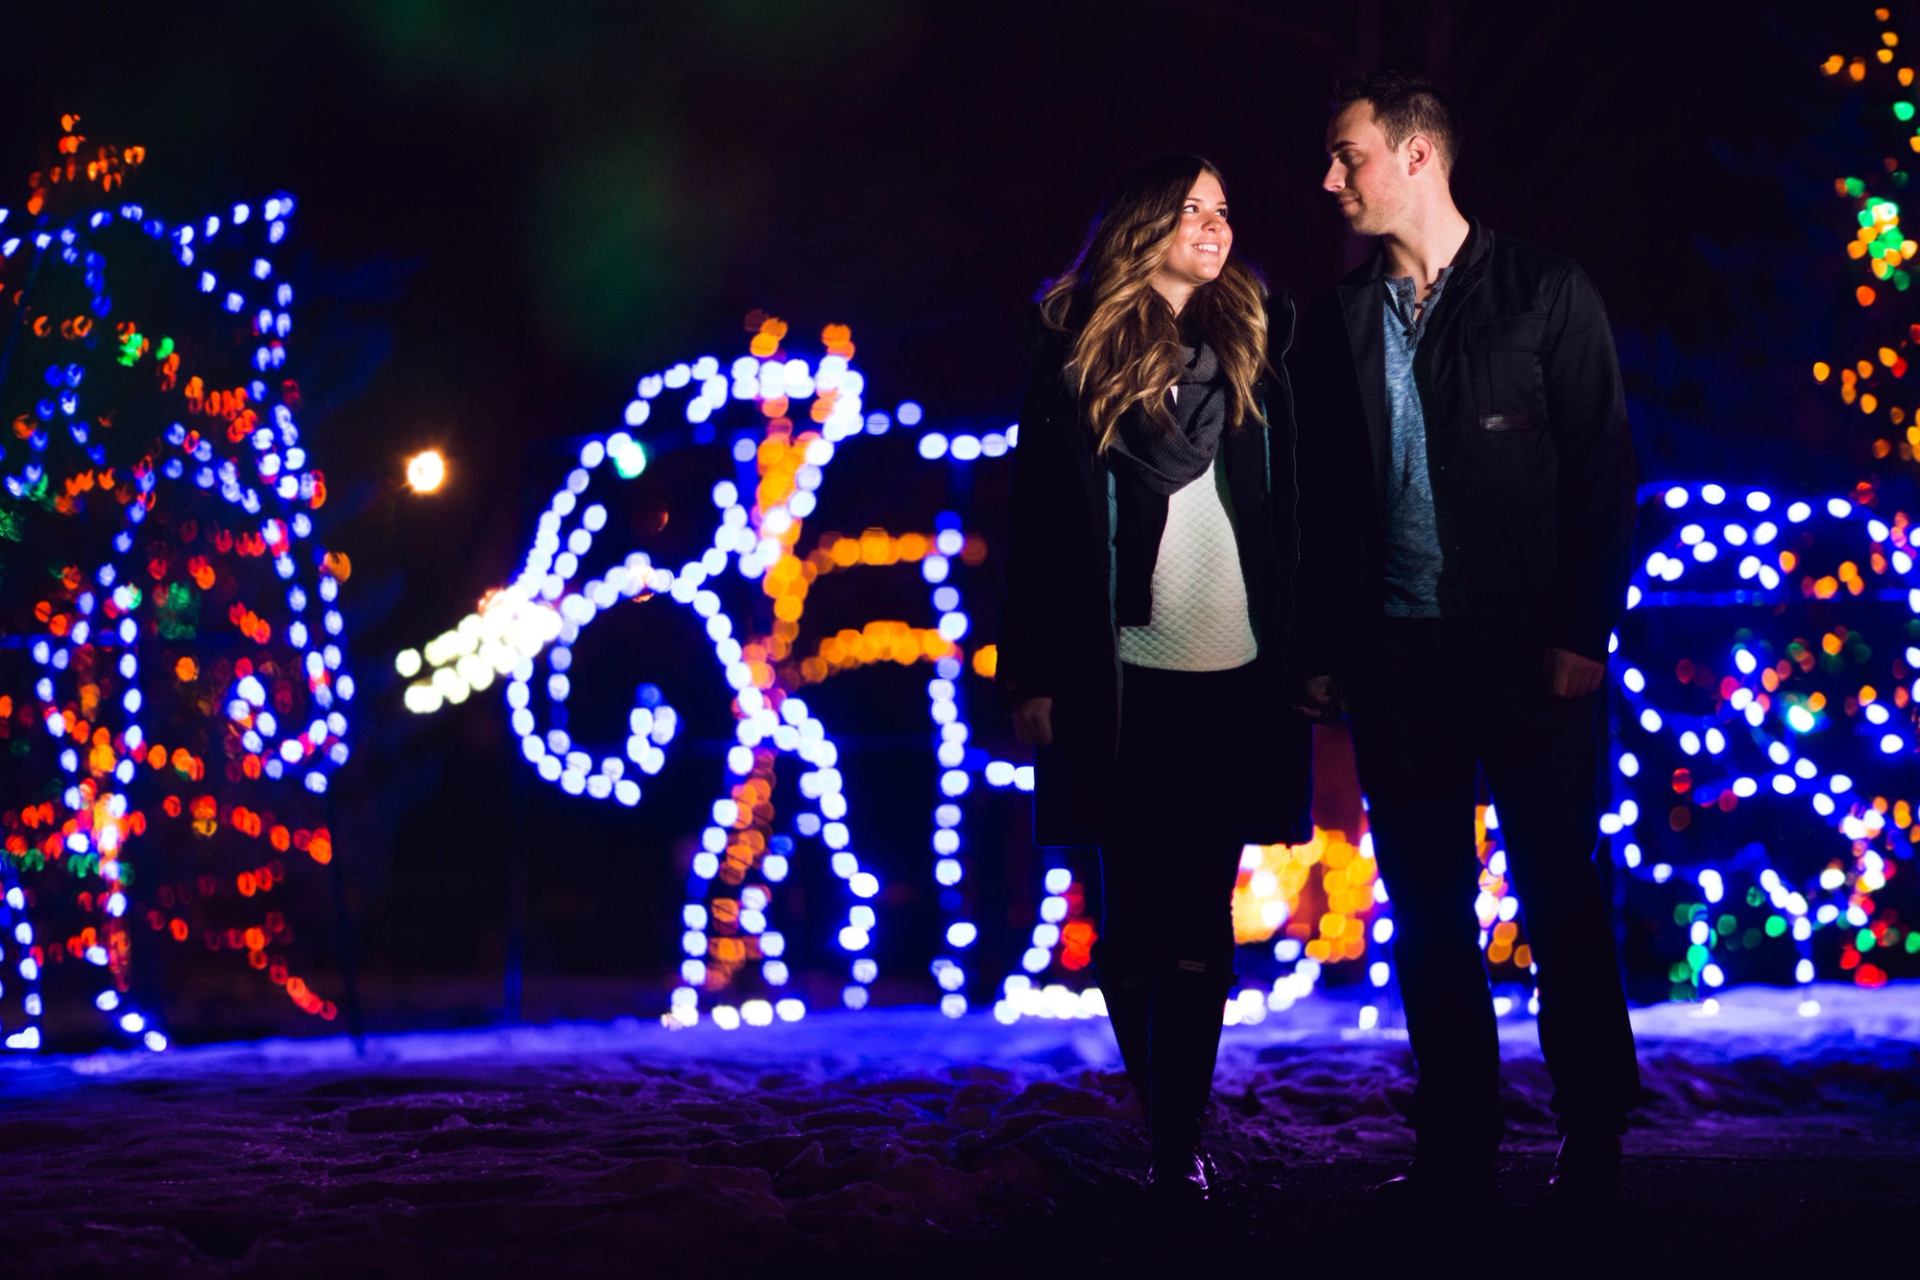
1367	178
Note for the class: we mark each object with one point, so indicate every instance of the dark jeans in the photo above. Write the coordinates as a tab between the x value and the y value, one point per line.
1437	698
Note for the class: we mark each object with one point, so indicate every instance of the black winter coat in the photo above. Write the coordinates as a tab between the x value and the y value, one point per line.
1058	635
1528	451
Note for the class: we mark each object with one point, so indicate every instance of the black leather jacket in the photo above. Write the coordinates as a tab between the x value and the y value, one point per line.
1528	448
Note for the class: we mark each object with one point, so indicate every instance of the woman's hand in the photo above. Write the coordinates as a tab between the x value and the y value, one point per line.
1033	721
1321	699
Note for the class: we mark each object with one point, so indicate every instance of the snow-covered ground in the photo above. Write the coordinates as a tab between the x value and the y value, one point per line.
942	1146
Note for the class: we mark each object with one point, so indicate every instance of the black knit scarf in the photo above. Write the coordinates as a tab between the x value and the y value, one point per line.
1150	464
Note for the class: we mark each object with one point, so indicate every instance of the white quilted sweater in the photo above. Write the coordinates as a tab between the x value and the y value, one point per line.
1200	618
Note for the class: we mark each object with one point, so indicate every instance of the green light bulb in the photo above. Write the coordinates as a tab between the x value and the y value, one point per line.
630	461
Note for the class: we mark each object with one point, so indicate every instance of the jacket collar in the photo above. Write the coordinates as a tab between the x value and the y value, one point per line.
1472	258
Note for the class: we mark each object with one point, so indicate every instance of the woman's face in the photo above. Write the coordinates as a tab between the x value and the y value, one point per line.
1201	241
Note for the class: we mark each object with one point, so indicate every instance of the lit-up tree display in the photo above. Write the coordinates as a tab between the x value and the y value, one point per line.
173	690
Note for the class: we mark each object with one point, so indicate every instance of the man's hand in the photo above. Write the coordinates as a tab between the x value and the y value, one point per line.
1033	722
1321	699
1570	675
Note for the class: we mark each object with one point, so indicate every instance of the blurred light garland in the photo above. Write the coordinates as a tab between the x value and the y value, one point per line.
1872	383
1798	711
154	493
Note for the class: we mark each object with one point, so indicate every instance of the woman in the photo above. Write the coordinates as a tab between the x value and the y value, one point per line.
1143	638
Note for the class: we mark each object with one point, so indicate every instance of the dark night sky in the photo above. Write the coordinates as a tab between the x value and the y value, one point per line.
511	210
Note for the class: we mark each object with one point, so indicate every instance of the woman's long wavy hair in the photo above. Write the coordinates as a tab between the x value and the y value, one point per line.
1126	339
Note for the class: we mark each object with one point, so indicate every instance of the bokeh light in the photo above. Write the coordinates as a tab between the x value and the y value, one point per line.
426	471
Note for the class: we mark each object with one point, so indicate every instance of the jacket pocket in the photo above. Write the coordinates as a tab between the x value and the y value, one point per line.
1505	354
1524	332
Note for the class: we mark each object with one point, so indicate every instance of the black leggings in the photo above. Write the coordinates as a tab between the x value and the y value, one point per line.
1167	874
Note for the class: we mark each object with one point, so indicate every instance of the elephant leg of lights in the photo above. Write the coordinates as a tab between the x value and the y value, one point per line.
16	930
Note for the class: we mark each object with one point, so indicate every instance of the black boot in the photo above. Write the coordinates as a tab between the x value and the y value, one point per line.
1184	1041
1185	1177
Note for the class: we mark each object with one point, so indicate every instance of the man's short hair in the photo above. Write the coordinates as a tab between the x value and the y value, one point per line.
1403	105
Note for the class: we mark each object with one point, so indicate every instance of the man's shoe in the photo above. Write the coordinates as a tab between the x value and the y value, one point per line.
1186	1177
1587	1170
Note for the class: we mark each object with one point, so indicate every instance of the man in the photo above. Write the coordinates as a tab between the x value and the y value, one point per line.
1467	500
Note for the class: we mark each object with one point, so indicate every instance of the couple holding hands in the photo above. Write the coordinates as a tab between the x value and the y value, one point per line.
1411	505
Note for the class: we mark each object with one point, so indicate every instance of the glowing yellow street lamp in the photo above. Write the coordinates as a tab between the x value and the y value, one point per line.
426	471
